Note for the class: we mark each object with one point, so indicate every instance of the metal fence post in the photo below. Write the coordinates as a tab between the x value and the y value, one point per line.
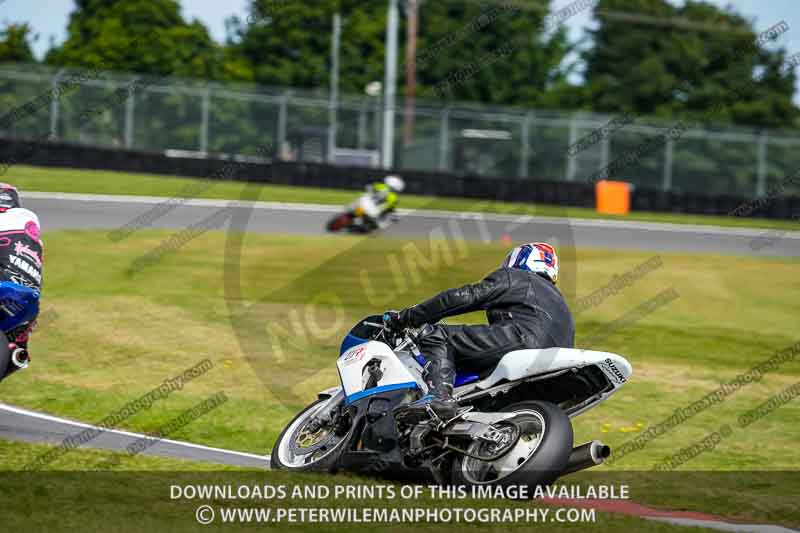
129	116
362	125
389	85
334	89
283	111
669	147
525	151
573	137
54	108
378	122
761	165
441	154
204	124
444	139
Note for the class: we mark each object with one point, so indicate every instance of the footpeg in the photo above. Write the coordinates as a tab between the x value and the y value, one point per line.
432	413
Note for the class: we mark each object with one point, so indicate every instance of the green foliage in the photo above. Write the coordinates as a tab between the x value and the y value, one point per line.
467	50
457	36
15	43
673	70
289	43
15	46
144	36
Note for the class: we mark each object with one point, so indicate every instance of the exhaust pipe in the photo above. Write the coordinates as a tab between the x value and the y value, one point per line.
20	358
586	456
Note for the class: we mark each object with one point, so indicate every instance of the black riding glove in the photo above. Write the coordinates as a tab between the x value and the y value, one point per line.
393	321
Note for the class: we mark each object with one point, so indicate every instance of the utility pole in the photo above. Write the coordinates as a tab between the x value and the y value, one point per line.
333	103
390	89
412	28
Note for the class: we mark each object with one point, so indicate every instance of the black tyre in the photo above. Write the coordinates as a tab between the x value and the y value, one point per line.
5	360
297	451
538	458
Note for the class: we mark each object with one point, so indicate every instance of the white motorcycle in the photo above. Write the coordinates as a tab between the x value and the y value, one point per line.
512	428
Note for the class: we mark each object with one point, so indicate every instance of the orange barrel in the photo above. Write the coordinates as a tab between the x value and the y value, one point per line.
613	197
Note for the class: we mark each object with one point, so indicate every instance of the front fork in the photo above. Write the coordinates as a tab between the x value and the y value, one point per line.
325	415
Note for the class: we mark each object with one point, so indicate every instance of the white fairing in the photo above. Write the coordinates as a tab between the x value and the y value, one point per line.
521	364
404	372
367	204
355	375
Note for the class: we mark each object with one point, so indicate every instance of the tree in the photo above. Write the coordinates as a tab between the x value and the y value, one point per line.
687	69
289	43
495	53
491	53
15	43
144	36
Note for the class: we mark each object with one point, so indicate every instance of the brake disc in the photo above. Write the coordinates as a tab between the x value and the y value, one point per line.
304	441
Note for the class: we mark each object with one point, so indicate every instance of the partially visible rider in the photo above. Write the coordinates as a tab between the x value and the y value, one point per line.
524	309
385	195
20	272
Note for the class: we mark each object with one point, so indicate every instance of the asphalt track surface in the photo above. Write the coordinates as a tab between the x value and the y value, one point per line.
66	211
21	424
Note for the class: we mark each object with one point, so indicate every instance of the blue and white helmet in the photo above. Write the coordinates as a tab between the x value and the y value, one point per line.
537	257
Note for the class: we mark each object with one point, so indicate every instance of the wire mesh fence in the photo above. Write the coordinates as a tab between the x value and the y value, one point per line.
120	110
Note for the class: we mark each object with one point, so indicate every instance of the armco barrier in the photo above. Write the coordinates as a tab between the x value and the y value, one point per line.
59	154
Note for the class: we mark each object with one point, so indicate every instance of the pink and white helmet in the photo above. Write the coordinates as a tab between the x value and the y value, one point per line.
537	257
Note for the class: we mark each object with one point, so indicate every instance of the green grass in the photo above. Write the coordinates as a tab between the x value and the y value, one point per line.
139	497
14	456
117	335
106	182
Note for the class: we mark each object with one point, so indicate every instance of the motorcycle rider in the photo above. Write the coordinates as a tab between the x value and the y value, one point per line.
385	196
524	309
20	274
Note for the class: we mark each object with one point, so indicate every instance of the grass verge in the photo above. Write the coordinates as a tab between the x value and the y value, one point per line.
112	335
147	494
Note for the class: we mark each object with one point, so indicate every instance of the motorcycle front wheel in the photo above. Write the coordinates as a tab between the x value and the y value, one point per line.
540	454
340	222
301	449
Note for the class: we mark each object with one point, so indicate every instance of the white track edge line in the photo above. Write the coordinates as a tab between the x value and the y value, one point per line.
42	416
493	217
712	524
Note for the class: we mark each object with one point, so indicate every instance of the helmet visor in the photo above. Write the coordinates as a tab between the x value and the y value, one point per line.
9	198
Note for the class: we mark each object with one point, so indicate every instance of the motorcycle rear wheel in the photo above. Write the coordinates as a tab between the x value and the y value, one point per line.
538	458
5	362
301	450
7	366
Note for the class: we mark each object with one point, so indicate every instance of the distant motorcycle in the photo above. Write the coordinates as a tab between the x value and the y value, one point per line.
361	216
512	428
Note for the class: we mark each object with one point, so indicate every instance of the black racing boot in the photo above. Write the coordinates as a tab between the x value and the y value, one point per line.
439	376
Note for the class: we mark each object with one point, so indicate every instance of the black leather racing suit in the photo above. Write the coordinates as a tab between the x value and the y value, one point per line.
525	310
